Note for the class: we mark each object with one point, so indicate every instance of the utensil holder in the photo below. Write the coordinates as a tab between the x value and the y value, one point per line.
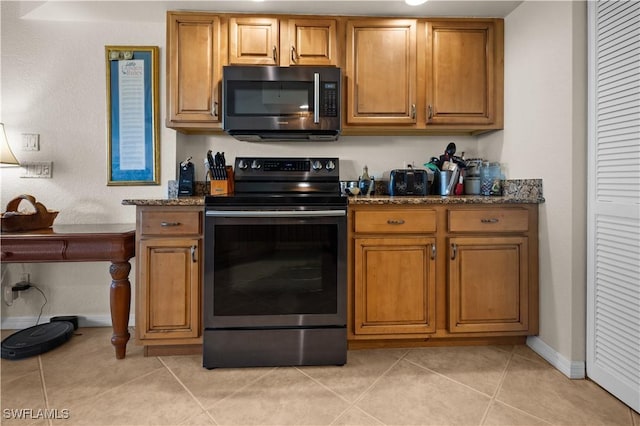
222	187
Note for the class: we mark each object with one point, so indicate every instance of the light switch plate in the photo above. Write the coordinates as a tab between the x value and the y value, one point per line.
30	142
37	169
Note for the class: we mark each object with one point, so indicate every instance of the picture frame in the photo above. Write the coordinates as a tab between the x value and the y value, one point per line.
133	155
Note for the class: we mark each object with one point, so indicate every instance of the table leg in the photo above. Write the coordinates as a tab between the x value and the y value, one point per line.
120	295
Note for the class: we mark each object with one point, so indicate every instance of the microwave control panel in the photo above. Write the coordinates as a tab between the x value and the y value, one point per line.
330	99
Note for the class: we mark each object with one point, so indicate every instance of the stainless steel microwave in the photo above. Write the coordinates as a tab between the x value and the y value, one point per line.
269	103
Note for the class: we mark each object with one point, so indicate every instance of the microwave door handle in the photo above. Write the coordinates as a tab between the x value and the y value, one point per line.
316	98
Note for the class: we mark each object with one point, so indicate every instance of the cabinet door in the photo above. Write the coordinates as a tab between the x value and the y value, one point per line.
311	42
169	289
460	73
488	284
194	70
381	71
253	41
394	285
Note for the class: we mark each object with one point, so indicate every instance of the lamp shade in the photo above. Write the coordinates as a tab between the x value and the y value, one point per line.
6	155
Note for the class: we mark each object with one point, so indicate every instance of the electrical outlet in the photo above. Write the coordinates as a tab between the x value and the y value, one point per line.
8	295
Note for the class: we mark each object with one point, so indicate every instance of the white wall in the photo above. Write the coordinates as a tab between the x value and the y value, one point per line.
53	83
545	136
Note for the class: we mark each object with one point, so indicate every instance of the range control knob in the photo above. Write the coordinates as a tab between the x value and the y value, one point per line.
255	165
242	165
316	165
330	165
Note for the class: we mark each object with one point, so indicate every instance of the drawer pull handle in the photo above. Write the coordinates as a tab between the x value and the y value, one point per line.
166	224
492	220
395	221
454	251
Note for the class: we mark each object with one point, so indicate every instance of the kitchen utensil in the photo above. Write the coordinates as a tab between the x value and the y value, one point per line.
212	164
459	186
449	151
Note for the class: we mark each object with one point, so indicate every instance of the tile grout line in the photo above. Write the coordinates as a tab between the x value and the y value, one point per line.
269	371
184	386
497	390
44	388
494	397
362	395
350	404
444	376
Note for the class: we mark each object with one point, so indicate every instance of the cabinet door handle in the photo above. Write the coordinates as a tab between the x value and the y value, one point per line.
274	52
294	54
193	254
395	221
429	112
413	111
454	251
214	108
433	251
166	224
492	220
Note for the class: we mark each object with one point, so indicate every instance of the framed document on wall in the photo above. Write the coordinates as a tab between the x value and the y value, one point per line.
132	115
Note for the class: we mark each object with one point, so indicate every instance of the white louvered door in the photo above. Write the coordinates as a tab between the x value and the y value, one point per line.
613	287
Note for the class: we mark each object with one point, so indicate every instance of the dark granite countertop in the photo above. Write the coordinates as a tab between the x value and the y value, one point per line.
523	191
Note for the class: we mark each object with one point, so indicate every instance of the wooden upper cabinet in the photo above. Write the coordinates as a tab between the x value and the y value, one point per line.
381	69
253	41
462	73
310	42
194	70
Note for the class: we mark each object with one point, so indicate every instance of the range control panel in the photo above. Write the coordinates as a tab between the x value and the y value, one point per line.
286	168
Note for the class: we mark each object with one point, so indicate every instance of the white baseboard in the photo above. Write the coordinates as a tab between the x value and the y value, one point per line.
571	369
20	323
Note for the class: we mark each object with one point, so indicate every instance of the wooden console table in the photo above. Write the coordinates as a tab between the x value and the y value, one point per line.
83	243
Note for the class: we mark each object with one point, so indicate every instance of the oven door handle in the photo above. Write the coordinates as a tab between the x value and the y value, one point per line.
275	213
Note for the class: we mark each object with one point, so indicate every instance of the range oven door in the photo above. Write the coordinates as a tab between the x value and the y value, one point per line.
275	269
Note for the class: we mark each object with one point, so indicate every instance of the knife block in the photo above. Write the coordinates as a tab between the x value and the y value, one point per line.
222	187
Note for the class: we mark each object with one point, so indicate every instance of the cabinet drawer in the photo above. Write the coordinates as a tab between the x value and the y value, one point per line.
489	220
395	221
167	222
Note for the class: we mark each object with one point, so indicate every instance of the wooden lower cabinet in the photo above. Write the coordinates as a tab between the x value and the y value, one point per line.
446	274
488	284
395	285
169	288
169	275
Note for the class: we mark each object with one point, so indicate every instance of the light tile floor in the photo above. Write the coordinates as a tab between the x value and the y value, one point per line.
494	385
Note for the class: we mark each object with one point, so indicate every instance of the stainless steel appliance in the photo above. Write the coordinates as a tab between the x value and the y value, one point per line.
282	103
275	266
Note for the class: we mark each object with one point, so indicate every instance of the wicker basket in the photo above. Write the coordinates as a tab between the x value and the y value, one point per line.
16	221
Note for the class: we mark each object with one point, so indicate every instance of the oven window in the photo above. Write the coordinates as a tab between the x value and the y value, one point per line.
269	98
275	269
